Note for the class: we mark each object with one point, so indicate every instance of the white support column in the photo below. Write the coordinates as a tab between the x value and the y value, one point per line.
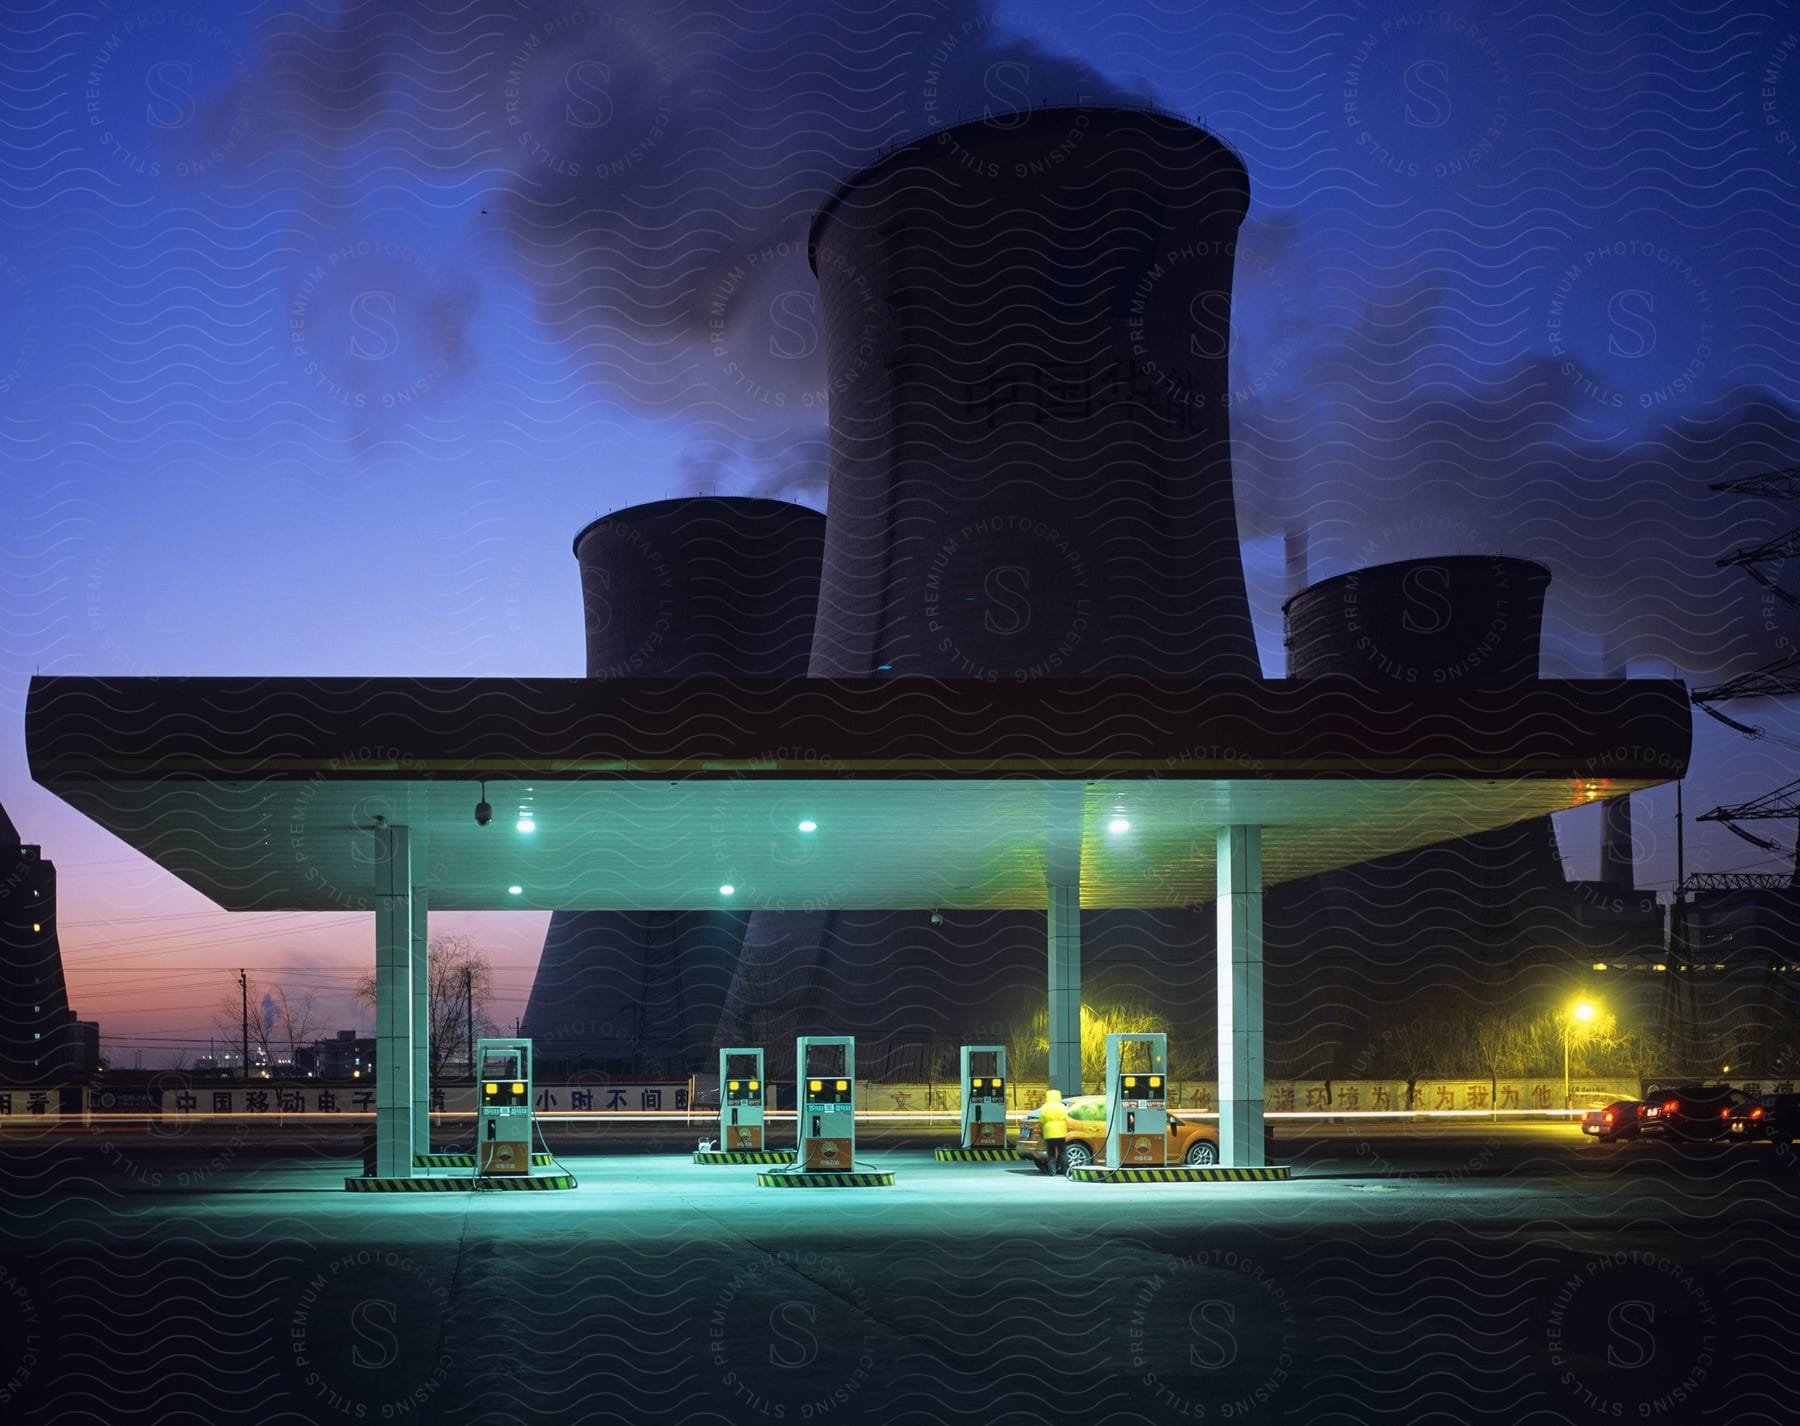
1240	952
393	1002
1064	922
421	1024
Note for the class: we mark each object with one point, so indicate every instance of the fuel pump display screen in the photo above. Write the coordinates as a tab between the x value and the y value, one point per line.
991	1087
502	1079
825	1093
1143	1091
743	1080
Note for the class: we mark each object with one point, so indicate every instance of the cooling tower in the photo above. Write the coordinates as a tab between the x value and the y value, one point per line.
1435	930
1421	621
1027	322
717	585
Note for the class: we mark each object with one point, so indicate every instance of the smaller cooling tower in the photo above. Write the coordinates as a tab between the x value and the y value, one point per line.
700	585
1442	928
1440	620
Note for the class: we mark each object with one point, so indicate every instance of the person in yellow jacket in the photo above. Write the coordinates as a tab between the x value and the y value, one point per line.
1053	1120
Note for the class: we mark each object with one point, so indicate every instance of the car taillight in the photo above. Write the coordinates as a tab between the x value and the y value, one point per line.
1670	1105
1640	1111
1756	1113
1606	1118
1724	1113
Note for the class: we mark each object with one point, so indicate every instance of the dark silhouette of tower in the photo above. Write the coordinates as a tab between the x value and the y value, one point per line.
1027	322
701	585
1449	926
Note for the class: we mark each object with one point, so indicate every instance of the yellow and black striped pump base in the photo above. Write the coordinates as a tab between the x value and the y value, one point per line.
825	1180
1180	1173
744	1156
467	1161
462	1183
964	1156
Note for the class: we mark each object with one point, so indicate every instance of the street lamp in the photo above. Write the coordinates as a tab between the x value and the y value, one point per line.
1580	1012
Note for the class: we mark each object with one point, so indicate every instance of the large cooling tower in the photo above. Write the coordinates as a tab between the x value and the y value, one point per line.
1027	323
720	585
1434	930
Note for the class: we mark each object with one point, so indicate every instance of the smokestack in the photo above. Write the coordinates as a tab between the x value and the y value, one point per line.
1294	546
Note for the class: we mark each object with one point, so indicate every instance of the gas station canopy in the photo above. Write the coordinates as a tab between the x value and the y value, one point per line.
865	794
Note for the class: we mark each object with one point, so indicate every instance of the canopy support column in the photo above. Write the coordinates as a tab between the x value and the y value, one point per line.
1064	924
421	1023
393	1002
1240	978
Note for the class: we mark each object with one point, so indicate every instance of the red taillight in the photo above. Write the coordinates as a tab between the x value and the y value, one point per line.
1756	1113
1724	1113
1640	1111
1671	1105
1606	1118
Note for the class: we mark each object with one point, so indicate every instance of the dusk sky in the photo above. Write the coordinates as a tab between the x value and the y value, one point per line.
327	326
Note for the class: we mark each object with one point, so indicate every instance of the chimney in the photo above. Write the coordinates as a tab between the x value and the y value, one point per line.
1295	546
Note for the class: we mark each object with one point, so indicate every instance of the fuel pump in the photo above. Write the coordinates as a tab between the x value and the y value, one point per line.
741	1100
984	1096
1137	1101
503	1107
827	1100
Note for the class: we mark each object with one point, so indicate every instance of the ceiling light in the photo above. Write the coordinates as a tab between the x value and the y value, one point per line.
525	824
727	890
809	825
1118	825
515	891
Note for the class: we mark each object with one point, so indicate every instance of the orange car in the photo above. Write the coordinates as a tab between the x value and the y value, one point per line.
1189	1142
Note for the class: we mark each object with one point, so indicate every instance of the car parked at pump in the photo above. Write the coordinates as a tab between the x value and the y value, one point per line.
1622	1119
1775	1117
1190	1142
1692	1112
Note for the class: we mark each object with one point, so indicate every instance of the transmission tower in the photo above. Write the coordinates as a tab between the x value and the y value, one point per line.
1778	679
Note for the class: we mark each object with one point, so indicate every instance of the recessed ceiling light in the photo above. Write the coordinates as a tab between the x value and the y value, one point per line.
515	891
1118	825
727	890
525	824
809	825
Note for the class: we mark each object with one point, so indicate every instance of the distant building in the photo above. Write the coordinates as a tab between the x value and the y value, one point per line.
218	1066
345	1056
41	1042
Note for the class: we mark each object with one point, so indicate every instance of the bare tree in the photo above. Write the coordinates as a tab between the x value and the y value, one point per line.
460	971
297	1017
1501	1042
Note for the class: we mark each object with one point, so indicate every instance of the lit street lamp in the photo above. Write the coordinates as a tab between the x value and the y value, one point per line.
1581	1012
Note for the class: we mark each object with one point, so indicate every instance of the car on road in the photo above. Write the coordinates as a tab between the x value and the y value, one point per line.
1690	1111
1618	1120
1190	1142
1775	1117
